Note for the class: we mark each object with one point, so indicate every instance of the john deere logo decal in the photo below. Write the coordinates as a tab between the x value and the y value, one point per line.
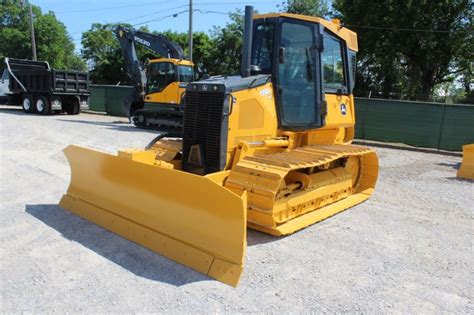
343	109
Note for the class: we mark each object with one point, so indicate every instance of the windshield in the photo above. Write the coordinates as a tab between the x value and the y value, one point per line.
159	75
186	74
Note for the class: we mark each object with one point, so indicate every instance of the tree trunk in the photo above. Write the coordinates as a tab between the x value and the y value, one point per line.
427	84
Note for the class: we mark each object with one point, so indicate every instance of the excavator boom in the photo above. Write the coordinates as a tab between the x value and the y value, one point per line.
156	43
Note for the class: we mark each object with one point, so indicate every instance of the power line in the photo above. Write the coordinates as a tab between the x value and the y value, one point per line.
139	17
153	13
224	13
179	13
225	3
111	8
163	18
155	2
152	20
213	12
403	29
161	11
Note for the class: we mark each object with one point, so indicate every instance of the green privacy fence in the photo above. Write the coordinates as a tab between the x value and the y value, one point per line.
431	125
109	99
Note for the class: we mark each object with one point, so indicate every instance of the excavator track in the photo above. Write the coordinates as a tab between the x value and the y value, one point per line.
290	190
169	121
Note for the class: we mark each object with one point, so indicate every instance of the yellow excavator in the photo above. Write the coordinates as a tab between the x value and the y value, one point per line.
269	149
159	87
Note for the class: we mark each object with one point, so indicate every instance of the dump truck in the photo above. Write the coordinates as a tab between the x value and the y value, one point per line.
44	90
269	149
159	85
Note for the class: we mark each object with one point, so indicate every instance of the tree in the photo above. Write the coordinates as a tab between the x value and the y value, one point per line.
408	47
103	55
226	54
318	8
202	46
102	51
52	41
220	53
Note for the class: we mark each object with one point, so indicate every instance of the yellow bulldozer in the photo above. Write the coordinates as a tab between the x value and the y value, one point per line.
269	149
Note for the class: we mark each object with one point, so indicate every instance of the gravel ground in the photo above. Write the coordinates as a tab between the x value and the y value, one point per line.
408	249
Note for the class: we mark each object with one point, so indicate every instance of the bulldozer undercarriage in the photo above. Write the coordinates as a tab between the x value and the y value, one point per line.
290	190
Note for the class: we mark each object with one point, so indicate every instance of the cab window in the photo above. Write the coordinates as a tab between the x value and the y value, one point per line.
333	63
262	48
186	74
5	75
159	76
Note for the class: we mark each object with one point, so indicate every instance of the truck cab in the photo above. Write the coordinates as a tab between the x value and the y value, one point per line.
4	86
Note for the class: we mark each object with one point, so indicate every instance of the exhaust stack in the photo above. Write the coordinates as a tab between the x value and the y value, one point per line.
247	49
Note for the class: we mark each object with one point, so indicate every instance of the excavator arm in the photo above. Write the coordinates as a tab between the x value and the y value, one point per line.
158	44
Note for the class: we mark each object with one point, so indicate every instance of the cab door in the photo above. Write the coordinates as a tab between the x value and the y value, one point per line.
172	84
4	84
161	77
298	83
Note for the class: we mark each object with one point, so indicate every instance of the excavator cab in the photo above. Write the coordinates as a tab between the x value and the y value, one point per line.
269	149
166	80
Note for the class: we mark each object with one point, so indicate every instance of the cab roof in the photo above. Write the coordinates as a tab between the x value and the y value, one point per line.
181	62
345	34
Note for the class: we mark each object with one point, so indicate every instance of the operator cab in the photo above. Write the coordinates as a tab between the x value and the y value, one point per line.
161	73
306	60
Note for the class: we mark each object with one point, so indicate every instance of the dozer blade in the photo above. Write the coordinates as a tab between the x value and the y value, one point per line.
467	166
187	218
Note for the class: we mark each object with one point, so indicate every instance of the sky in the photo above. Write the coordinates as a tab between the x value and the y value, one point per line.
78	15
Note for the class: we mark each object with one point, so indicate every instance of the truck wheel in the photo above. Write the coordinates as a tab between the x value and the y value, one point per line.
28	103
43	105
73	108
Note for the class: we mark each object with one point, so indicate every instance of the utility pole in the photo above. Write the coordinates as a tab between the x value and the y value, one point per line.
190	44
32	29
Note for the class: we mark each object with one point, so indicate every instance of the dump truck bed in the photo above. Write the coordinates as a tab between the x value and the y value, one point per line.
38	77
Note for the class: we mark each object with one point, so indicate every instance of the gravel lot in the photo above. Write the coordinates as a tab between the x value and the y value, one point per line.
408	249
